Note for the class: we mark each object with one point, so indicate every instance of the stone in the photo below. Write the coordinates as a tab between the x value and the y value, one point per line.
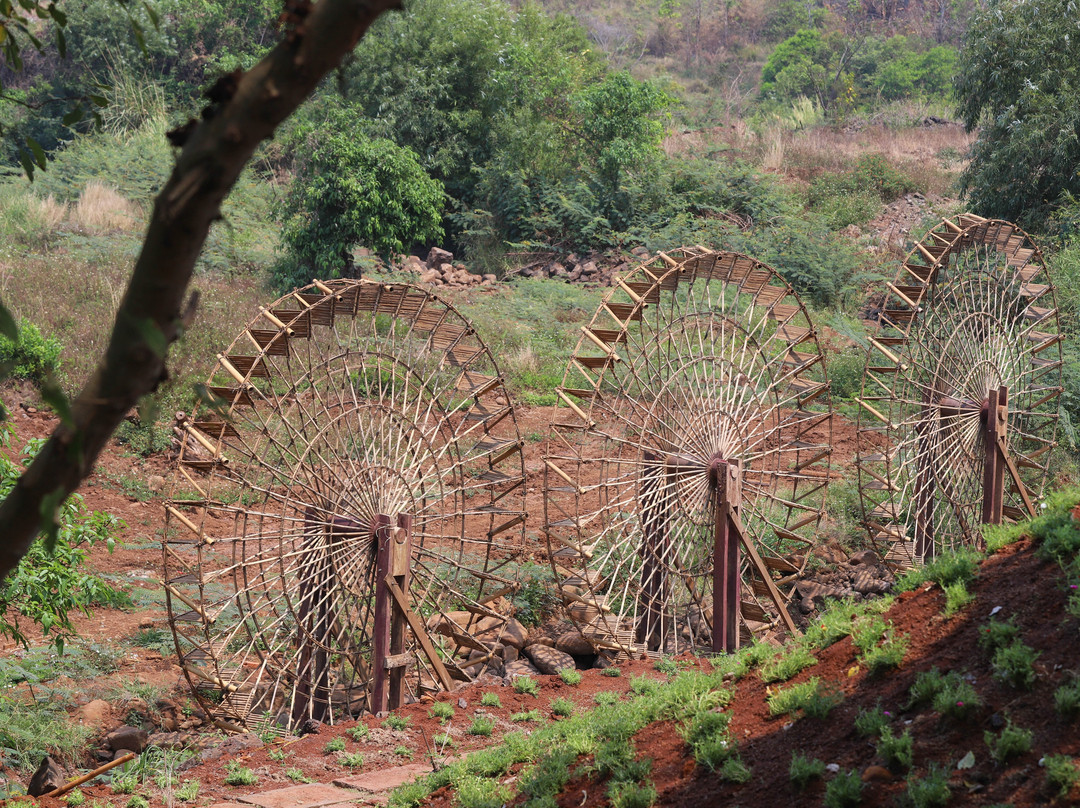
865	557
876	774
510	653
437	256
385	779
575	273
127	737
867	583
430	276
490	278
571	642
520	667
95	713
48	777
640	252
548	660
588	268
155	482
310	795
514	633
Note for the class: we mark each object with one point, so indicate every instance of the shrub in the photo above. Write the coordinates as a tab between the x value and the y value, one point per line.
809	697
526	685
334	745
563	707
1061	774
624	794
644	686
844	791
1015	665
297	775
490	700
396	722
956	598
931	791
352	760
403	751
1010	743
530	716
612	672
360	731
997	634
897	751
783	667
886	656
1067	700
570	676
444	710
188	791
804	769
957	700
605	698
949	568
735	771
138	801
870	723
237	775
481	725
925	687
32	357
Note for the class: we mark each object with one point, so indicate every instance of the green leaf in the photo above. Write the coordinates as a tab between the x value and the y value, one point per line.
39	153
74	115
61	43
27	164
52	395
152	13
58	15
8	328
99	100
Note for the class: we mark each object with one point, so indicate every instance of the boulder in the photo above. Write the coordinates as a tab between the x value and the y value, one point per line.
865	557
588	268
514	634
573	643
868	583
94	714
439	256
520	667
430	276
549	660
131	738
48	777
490	278
155	482
510	654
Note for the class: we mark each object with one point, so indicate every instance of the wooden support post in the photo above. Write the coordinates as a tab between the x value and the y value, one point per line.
726	479
380	639
924	484
654	553
994	426
314	628
400	560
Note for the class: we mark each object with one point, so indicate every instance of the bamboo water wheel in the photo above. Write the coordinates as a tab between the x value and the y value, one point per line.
959	402
345	511
688	457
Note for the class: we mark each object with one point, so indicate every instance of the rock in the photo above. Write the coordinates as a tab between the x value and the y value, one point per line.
640	252
549	660
521	667
127	737
588	268
833	768
867	583
490	278
514	634
510	654
575	273
438	256
48	777
430	276
94	714
155	483
876	774
865	557
572	642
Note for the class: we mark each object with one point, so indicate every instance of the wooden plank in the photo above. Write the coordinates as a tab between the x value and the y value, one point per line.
420	633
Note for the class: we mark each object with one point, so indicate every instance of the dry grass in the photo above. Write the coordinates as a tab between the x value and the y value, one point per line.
101	210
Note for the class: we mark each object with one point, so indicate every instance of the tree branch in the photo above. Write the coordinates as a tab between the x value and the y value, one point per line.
216	151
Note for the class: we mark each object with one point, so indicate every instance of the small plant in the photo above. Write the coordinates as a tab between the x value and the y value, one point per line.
950	695
1015	665
481	792
888	655
334	745
896	751
75	798
276	755
925	687
563	707
870	723
1061	774
530	716
443	710
444	740
124	784
481	725
237	775
188	792
804	769
490	700
1067	700
570	676
644	686
396	722
931	791
351	760
359	732
138	801
709	739
809	697
666	666
526	686
844	791
783	667
605	698
624	794
403	752
297	775
997	634
956	597
1011	743
734	770
613	672
867	631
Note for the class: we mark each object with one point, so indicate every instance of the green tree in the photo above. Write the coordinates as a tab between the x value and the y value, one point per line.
352	190
1018	82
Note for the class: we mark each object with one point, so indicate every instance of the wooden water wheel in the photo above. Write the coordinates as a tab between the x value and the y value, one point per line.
345	510
688	457
959	404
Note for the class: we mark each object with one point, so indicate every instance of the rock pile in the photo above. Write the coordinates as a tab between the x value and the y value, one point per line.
863	575
440	270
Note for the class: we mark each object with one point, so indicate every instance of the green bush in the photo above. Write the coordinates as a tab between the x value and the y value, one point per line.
956	598
625	794
526	685
949	568
811	698
481	725
844	791
997	634
563	707
784	666
1061	774
1067	699
931	791
490	700
570	676
870	723
896	750
443	710
804	769
32	357
1014	664
1012	742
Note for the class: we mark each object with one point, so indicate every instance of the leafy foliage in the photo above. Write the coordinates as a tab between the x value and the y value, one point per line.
50	583
1018	82
33	356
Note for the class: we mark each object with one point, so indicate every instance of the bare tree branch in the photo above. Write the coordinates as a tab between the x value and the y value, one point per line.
149	317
